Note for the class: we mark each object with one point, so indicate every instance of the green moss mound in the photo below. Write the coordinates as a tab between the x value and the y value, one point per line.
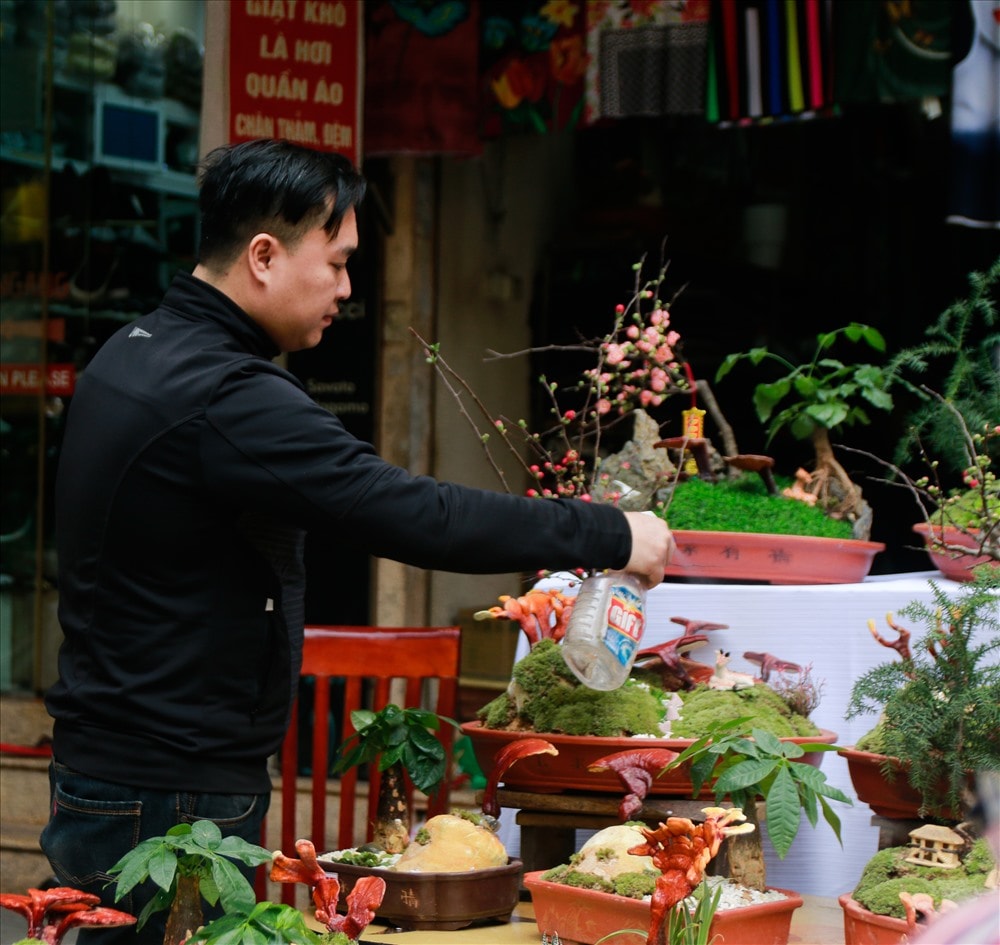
630	885
887	874
545	696
744	505
704	707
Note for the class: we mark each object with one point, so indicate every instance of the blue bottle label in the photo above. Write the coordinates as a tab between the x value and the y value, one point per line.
624	623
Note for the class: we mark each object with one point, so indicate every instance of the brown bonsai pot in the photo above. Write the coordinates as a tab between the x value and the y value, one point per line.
893	798
776	559
438	901
954	567
567	771
585	916
862	927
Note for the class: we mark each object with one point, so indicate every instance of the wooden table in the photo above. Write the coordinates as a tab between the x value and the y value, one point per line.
818	922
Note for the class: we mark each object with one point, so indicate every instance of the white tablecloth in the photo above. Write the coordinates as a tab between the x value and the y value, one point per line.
822	625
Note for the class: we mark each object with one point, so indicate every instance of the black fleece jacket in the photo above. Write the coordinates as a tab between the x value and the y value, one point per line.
191	469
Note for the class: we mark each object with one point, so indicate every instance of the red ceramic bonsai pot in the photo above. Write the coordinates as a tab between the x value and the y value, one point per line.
584	916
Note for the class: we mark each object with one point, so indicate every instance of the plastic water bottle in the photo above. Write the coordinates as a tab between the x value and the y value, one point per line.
605	629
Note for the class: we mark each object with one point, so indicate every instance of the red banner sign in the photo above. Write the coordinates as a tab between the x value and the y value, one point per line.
60	379
295	72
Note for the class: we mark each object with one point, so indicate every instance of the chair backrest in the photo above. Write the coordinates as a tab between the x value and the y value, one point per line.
377	665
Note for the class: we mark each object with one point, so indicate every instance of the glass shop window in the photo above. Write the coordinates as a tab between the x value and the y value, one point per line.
99	136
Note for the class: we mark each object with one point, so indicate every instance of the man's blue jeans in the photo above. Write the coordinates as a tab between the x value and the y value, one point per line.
93	824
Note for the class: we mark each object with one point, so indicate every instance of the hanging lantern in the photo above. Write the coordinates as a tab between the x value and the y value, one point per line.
693	420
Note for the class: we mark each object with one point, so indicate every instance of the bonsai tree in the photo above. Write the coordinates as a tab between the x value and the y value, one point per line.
819	396
965	339
402	744
743	762
953	430
192	862
939	703
189	863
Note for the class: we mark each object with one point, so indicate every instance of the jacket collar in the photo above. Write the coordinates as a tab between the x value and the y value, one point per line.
194	298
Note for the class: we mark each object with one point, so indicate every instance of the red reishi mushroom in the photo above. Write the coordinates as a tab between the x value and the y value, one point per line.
52	912
698	447
681	850
100	917
636	768
769	663
754	462
509	755
362	901
542	615
667	659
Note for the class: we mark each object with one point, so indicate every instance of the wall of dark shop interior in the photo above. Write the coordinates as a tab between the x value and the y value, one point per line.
865	195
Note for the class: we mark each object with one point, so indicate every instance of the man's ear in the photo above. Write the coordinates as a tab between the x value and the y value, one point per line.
260	255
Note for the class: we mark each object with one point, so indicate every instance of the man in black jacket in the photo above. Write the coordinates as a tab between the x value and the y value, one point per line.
191	470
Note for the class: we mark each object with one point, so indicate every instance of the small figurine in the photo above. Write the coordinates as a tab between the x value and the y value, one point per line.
725	678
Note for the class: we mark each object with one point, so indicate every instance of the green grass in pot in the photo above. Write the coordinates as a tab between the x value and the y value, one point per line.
743	505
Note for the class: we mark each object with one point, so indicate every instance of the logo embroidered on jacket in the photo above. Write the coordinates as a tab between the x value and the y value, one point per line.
138	332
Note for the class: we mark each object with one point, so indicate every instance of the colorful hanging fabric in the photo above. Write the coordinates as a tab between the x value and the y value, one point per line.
769	59
532	62
420	77
646	58
974	194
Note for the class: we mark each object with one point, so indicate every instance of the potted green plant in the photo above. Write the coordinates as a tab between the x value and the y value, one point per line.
938	705
632	376
952	431
193	863
741	764
817	397
544	698
401	742
904	888
454	860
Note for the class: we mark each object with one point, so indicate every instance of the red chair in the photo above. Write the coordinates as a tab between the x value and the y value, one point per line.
367	660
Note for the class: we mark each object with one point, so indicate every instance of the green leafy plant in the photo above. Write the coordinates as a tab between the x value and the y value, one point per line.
188	863
267	923
965	339
822	395
744	763
685	925
401	743
939	704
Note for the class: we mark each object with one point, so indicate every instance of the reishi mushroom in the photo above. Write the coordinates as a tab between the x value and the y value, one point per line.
636	768
509	755
681	850
770	663
51	913
362	901
698	447
667	659
754	462
541	614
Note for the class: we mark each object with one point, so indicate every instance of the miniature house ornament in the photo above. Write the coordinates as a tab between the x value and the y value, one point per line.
935	845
